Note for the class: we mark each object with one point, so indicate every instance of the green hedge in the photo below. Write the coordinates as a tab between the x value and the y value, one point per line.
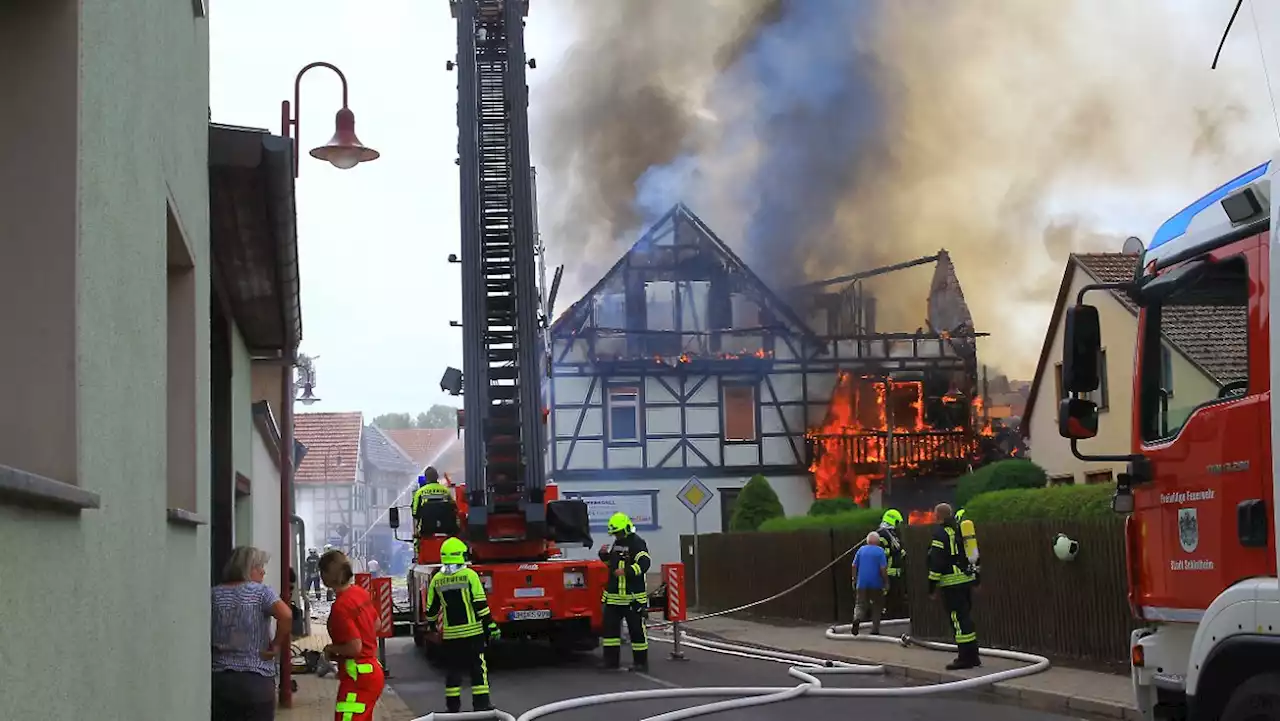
831	506
1057	503
999	476
756	504
862	519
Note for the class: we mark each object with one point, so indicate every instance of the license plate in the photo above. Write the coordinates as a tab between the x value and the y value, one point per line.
531	615
529	593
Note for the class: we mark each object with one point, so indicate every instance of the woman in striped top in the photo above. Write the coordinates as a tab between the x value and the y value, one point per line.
244	648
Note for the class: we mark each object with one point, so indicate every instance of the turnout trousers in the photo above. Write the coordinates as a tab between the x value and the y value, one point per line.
614	615
463	657
958	601
359	687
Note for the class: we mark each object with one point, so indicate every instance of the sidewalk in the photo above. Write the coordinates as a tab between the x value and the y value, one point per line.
1057	690
315	697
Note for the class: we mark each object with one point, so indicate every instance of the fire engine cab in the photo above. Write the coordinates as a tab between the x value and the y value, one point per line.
1199	486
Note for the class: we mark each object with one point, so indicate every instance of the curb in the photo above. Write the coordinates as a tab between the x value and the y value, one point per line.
1031	699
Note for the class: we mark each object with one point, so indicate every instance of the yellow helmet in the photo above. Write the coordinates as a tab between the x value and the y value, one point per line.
619	523
453	551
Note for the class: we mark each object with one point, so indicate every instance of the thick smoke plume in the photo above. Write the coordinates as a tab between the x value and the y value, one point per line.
827	136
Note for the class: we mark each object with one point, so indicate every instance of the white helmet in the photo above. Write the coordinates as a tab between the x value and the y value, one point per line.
1065	548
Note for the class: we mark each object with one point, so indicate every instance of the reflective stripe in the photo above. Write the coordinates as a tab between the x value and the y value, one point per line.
452	691
484	678
1172	615
355	669
350	707
635	568
610	642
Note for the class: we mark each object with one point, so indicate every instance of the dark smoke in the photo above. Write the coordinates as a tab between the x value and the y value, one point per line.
826	136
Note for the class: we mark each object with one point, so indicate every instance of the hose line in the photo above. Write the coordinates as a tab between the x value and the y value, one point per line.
805	669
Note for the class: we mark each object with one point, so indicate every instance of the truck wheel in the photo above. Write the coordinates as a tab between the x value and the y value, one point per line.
1257	699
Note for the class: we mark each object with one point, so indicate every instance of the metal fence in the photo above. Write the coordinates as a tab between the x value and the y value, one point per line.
1028	601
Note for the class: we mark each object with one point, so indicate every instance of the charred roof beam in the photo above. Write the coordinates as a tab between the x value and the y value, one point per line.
862	275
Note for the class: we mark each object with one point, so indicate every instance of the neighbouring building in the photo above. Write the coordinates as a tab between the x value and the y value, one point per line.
680	362
438	447
1199	350
351	474
142	314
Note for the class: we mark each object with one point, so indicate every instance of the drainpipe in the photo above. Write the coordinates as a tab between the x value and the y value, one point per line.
286	515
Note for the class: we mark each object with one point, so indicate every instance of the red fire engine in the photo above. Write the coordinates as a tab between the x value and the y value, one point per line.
1200	483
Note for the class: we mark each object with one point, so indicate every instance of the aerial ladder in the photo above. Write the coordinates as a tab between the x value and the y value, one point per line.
510	515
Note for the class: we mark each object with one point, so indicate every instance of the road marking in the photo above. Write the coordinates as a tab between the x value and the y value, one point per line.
657	680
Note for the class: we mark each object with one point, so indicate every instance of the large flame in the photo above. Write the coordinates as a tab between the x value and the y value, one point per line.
921	518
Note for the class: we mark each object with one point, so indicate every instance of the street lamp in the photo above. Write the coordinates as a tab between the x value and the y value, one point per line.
344	150
307	380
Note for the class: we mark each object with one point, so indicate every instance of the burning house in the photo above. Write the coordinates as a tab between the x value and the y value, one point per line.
680	362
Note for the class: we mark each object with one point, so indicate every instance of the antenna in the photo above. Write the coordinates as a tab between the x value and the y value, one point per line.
1132	246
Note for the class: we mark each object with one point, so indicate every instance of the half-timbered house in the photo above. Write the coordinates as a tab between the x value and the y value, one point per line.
680	362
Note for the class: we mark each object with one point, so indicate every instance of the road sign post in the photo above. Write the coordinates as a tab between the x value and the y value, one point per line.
695	496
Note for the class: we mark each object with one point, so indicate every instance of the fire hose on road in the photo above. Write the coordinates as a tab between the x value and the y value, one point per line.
805	669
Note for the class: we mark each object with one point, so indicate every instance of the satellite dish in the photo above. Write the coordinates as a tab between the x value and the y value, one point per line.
1132	246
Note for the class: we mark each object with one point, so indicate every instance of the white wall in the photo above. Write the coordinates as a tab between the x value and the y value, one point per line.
795	492
264	502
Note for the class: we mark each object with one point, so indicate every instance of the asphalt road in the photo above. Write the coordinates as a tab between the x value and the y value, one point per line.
529	676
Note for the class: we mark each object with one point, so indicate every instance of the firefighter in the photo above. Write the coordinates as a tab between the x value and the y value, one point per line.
970	536
431	491
951	574
625	597
890	538
466	625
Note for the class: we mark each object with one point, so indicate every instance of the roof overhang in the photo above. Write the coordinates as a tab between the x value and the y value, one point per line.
253	236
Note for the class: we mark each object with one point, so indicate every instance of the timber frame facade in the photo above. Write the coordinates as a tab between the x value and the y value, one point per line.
680	362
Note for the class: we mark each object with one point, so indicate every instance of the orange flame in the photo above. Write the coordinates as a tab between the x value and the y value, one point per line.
921	518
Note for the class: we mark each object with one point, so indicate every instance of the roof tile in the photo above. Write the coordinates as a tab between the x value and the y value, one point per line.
439	447
1213	337
333	446
384	453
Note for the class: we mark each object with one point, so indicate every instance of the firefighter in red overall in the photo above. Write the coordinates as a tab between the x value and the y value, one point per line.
353	623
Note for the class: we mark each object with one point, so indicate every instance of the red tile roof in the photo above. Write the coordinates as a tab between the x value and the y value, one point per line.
439	447
333	446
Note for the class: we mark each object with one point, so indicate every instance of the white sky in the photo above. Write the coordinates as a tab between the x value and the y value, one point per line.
377	294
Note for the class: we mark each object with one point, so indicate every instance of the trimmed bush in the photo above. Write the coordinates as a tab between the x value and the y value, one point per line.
830	506
999	476
1057	503
756	504
860	519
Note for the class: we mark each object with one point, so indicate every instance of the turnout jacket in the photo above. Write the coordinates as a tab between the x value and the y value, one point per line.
948	564
893	549
458	592
631	554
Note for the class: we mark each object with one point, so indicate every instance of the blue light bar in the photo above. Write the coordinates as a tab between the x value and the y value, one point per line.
1176	226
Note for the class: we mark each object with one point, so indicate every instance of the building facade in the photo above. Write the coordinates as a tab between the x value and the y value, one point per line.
133	353
681	363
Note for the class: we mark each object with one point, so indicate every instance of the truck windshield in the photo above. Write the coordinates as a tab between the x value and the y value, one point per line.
1195	348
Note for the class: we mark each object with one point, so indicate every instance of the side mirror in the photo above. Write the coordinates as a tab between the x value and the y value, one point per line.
393	517
1077	418
1081	349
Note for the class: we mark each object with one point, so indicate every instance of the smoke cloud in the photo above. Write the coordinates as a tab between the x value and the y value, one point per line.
820	137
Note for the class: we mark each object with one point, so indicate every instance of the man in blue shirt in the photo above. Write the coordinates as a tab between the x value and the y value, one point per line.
870	576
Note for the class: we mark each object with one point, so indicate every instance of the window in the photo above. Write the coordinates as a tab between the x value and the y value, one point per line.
694	298
660	304
1205	317
180	376
1065	479
624	414
611	311
1098	477
739	412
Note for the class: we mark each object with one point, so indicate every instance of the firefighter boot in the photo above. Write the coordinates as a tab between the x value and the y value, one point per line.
481	702
612	658
640	661
453	704
966	657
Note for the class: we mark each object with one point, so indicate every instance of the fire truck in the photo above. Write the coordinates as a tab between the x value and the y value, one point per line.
510	515
1199	482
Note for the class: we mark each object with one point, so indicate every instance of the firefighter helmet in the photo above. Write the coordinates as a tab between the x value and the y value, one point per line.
959	515
619	523
453	551
892	518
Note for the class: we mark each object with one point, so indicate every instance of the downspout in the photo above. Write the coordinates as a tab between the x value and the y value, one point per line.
286	512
